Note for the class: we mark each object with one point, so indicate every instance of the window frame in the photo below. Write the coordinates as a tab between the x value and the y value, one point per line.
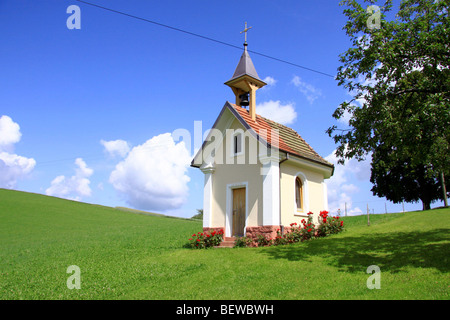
237	142
302	212
299	201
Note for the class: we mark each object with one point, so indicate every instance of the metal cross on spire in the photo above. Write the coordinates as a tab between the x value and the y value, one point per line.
245	31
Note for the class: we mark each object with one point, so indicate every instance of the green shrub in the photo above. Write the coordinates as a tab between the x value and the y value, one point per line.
203	240
308	228
279	239
329	224
263	241
242	242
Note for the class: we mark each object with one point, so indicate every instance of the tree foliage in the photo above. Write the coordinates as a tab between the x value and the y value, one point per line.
398	75
400	179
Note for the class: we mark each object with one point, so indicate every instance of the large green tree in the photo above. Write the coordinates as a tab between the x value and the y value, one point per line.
401	179
398	72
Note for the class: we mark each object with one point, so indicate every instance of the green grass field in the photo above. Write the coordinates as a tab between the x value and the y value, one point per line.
125	255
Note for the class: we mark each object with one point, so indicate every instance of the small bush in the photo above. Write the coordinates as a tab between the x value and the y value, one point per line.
263	241
279	239
199	215
203	240
329	224
242	242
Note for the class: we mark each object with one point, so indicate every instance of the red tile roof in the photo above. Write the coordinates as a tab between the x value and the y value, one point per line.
289	140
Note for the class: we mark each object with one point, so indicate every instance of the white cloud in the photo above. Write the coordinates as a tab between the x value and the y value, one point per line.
349	188
274	110
153	175
341	186
9	133
309	91
12	166
270	81
76	186
116	147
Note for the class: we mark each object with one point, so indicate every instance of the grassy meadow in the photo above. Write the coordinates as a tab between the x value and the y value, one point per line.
123	254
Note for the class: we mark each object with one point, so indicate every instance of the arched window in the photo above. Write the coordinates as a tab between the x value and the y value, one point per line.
299	193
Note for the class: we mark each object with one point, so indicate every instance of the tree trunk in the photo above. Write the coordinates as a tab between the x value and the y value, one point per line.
426	205
444	189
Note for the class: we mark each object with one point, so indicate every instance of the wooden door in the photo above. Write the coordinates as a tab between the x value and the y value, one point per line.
238	212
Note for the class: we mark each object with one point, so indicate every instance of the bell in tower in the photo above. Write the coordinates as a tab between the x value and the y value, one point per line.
244	99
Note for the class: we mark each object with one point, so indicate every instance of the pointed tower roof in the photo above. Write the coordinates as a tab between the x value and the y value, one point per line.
245	70
245	66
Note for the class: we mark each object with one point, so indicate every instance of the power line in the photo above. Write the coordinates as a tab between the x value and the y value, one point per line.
204	37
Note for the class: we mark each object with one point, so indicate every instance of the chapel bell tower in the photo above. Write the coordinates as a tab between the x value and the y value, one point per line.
245	81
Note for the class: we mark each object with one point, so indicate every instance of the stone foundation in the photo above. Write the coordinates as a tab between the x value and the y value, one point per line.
269	232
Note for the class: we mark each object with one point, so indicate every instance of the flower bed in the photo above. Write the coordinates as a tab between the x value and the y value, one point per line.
204	240
304	231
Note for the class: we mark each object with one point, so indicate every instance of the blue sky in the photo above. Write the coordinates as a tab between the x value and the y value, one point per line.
87	114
